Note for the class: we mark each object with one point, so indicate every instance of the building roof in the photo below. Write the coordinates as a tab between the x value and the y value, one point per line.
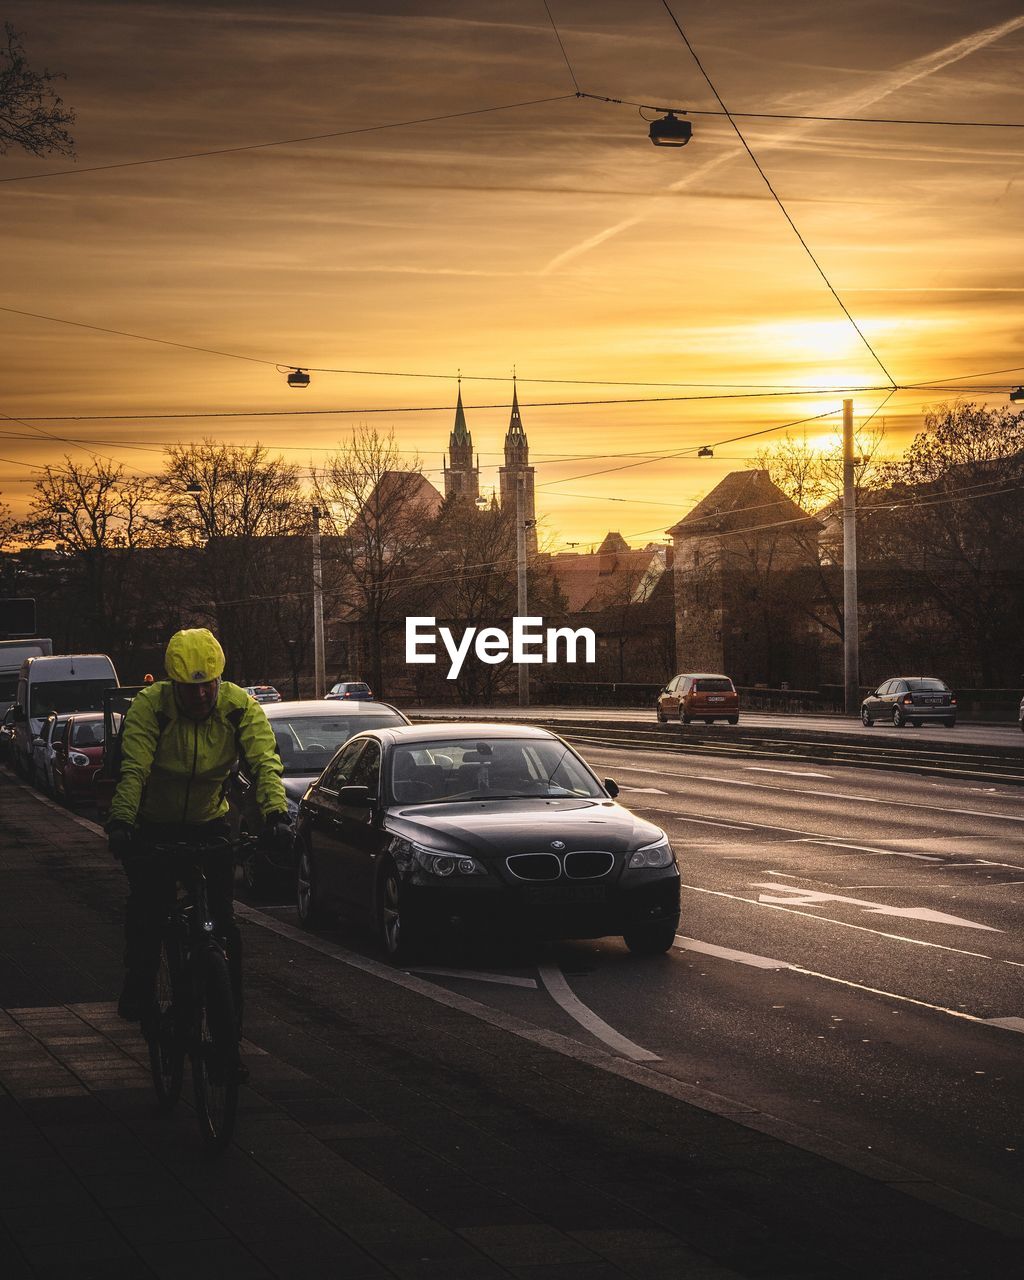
594	581
743	500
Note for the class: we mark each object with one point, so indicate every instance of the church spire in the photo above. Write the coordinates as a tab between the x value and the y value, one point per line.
461	478
517	447
516	477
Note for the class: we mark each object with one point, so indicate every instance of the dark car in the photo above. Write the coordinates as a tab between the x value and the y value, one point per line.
308	734
77	756
698	696
910	700
350	691
488	829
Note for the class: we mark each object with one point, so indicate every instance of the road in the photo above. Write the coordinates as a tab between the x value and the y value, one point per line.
849	965
992	735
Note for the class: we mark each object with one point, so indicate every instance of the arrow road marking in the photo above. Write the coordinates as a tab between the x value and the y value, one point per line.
808	897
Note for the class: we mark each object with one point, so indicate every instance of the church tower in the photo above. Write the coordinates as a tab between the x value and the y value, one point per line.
461	478
517	472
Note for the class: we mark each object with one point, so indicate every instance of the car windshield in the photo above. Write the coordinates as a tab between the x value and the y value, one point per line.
489	769
307	743
720	685
926	686
66	696
87	733
8	687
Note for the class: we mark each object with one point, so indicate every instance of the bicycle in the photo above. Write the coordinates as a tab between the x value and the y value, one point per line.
193	1011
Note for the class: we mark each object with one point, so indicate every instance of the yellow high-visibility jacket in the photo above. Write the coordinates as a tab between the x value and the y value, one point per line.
174	769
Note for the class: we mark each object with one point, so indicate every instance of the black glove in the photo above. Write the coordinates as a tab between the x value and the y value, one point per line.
120	838
280	829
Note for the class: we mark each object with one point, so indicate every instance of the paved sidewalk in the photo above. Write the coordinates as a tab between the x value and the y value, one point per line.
383	1135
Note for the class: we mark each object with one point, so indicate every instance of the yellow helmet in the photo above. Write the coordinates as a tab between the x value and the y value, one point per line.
194	656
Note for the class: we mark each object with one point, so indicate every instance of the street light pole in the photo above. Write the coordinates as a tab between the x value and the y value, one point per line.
851	636
318	611
521	603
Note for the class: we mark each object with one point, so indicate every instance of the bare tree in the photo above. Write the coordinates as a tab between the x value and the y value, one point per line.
32	116
236	527
383	510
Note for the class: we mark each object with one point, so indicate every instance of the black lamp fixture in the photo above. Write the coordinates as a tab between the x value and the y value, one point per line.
1017	395
670	131
705	451
298	378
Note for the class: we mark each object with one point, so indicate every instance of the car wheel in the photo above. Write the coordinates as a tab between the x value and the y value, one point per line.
709	721
734	719
307	895
898	718
951	723
917	723
399	935
651	939
661	719
865	719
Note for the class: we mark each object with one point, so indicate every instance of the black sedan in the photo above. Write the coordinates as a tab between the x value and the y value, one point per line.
910	700
308	734
481	828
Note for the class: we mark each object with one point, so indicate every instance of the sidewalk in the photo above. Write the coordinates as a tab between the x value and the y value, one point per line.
382	1136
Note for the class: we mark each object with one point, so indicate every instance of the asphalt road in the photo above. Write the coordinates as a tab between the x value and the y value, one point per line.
992	735
849	962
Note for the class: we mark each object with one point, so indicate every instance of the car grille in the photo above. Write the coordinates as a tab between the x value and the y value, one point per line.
583	865
588	865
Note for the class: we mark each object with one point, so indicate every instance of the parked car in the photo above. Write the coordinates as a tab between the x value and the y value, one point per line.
7	737
910	700
484	828
699	696
263	692
40	770
77	756
61	683
308	735
350	690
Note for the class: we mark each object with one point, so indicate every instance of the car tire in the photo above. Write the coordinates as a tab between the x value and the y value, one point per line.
734	719
400	936
899	720
661	719
951	723
711	721
307	896
651	939
865	719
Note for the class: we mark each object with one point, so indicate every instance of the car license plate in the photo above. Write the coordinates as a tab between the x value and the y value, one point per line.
716	699
932	702
544	894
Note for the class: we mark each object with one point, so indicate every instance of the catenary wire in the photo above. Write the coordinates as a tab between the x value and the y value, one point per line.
775	196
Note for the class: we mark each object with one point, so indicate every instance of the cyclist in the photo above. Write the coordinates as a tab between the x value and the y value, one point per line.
181	738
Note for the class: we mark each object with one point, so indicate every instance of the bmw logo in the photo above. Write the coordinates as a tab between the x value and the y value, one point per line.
558	844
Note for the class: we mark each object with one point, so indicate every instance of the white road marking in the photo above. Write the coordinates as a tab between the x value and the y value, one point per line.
828	795
563	995
796	896
763	962
727	953
503	979
791	773
645	791
846	924
867	848
704	822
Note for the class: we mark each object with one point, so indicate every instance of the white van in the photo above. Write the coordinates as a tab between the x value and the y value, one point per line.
65	683
12	654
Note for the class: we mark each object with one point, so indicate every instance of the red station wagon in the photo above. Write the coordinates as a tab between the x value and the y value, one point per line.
77	757
699	696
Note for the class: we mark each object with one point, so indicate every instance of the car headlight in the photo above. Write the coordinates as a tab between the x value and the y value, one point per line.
658	854
76	757
444	864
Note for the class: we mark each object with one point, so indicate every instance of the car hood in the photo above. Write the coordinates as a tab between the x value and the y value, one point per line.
501	827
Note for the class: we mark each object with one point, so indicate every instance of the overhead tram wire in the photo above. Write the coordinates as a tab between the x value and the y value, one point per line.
775	196
558	37
289	142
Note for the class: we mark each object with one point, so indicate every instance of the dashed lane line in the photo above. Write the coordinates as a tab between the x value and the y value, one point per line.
500	979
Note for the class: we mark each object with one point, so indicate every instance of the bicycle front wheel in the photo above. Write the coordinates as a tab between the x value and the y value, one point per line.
215	1054
163	1027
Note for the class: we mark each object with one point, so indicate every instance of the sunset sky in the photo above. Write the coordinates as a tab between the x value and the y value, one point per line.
554	238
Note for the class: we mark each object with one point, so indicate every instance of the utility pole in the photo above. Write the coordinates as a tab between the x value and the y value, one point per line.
851	634
318	611
521	605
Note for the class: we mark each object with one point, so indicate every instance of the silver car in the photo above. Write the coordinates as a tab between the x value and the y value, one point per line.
910	700
41	766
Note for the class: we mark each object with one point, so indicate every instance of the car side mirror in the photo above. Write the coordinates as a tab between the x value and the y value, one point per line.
357	797
611	786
